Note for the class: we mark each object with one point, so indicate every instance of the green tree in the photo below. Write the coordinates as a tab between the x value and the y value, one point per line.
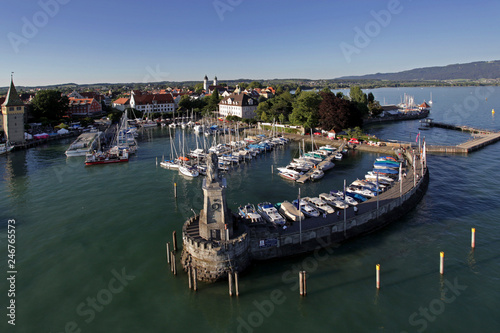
279	90
357	95
338	113
326	89
198	88
371	98
255	84
243	85
50	104
305	109
115	116
185	102
360	98
213	102
297	92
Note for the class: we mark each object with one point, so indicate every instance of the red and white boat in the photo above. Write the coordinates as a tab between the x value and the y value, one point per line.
114	155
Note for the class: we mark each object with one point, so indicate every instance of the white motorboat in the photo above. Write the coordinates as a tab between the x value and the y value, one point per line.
250	213
338	156
320	205
333	200
306	208
169	164
289	175
188	171
270	213
317	174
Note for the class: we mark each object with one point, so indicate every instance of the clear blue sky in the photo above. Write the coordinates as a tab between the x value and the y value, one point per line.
90	41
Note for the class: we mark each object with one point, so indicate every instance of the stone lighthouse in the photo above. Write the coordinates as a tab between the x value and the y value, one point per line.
212	243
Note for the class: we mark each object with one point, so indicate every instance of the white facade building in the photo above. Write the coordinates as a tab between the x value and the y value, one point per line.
240	105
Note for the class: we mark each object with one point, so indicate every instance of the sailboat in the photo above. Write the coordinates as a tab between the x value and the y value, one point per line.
172	163
185	169
430	101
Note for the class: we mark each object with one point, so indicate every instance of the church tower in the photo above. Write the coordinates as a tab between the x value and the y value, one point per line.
215	81
13	115
205	83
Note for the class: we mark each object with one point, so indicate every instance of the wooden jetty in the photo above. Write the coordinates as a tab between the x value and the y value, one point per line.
305	177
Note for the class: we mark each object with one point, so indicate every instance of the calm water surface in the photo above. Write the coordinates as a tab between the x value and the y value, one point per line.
90	241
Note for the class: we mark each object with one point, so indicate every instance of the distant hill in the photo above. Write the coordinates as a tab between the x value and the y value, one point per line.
471	71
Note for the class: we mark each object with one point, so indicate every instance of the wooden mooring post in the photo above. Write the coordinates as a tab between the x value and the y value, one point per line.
175	190
174	267
377	268
473	238
190	283
174	240
168	252
441	262
236	286
230	281
302	283
195	277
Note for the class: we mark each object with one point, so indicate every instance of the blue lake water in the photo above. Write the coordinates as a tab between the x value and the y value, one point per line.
90	241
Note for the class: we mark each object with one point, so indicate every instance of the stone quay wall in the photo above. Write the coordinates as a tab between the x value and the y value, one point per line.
214	259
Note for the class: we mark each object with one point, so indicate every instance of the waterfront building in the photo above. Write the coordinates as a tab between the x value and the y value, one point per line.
83	107
238	104
13	115
152	103
121	103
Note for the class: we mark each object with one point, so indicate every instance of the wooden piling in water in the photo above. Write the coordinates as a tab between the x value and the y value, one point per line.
189	277
304	278
230	281
302	283
174	241
441	262
174	267
473	238
168	253
195	277
236	287
377	267
175	190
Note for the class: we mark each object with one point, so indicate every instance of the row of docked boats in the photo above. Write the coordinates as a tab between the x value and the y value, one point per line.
357	192
122	146
229	154
315	162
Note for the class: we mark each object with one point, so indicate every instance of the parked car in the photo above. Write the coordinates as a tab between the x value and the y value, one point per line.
354	141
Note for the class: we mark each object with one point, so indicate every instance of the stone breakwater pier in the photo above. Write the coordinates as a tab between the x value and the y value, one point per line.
217	243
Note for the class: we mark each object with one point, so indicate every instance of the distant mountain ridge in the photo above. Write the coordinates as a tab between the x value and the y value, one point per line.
468	71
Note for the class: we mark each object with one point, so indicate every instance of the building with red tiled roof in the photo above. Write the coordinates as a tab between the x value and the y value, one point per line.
152	103
83	107
241	105
121	103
